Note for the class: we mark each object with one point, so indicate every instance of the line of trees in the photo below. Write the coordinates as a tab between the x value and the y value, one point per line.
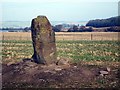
114	21
80	29
113	25
26	29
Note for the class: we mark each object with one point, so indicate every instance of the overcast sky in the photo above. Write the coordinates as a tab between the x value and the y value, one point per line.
58	10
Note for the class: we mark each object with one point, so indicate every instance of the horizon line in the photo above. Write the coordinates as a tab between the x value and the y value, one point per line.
49	20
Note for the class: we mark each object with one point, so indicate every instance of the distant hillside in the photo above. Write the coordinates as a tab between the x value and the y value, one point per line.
114	21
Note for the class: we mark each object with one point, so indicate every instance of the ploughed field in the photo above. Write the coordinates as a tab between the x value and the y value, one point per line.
87	58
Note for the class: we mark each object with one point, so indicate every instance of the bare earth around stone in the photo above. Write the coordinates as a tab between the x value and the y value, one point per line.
27	74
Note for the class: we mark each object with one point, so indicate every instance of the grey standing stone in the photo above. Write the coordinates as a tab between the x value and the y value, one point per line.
43	38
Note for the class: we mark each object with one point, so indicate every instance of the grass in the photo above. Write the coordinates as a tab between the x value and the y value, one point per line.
16	50
89	50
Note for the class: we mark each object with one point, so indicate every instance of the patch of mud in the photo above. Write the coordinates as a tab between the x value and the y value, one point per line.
28	74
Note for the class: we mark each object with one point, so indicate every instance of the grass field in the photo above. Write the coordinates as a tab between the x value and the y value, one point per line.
94	53
15	49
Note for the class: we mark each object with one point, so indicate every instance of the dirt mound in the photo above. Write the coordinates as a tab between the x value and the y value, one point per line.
28	74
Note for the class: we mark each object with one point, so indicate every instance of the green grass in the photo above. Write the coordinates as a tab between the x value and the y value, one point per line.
76	50
89	50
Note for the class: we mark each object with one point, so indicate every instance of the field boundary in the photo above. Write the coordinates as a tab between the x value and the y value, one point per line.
65	36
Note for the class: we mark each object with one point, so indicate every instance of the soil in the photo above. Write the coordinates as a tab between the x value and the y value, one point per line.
27	74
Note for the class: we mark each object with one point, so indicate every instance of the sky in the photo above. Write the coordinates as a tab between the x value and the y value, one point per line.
58	10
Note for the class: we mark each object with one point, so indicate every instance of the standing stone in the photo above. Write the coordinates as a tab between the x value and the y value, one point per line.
43	39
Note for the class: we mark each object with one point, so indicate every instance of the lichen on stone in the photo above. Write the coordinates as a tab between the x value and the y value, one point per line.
43	38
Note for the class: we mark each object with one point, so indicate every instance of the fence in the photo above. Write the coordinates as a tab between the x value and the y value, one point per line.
65	36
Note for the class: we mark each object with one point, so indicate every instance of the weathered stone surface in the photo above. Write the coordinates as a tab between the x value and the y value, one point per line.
102	73
108	69
63	61
43	38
